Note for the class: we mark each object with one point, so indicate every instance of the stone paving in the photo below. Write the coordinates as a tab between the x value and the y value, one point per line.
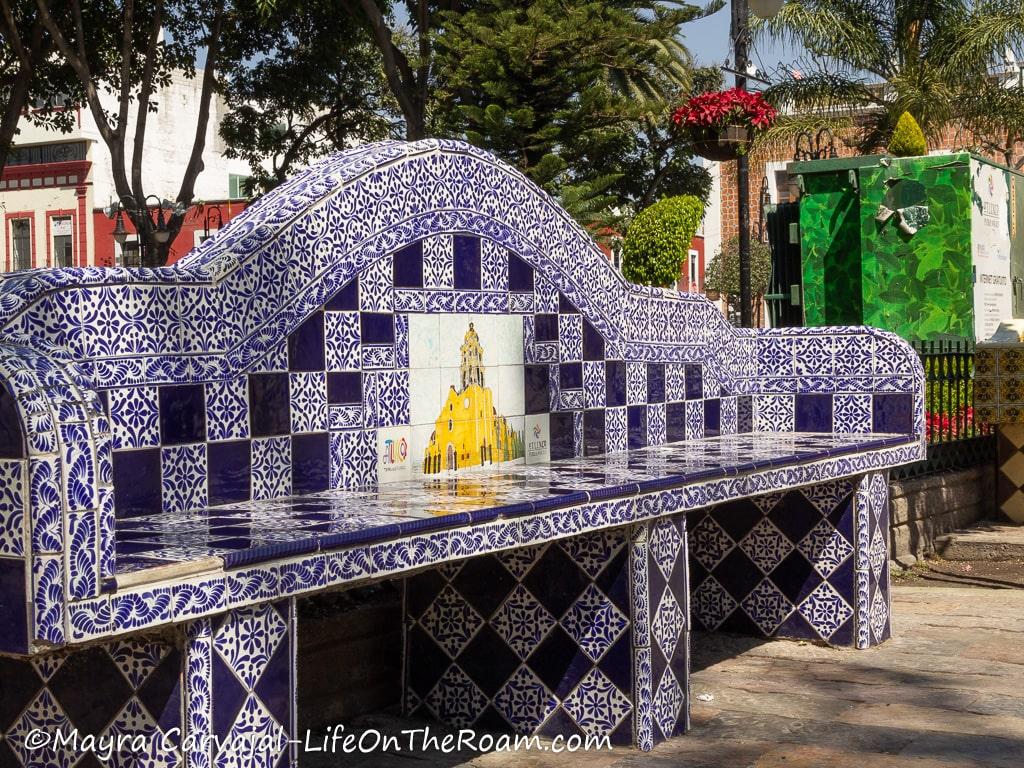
947	690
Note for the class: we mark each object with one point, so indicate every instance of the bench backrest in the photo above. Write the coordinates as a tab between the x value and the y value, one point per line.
396	309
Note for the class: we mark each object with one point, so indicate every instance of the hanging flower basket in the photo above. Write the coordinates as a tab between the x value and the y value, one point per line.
722	124
722	144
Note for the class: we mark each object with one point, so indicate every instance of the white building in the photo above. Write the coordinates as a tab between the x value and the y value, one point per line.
55	185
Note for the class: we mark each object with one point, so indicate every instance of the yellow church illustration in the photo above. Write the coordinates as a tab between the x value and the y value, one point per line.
469	432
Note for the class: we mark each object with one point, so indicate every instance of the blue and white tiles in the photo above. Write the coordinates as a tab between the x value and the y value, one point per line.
231	414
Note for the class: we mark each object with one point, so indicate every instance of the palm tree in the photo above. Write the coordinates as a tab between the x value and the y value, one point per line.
872	60
672	74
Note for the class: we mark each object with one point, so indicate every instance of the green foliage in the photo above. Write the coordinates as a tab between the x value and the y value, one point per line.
570	93
301	81
658	240
723	273
872	61
907	140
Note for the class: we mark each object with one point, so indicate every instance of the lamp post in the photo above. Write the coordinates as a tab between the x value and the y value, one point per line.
139	213
213	213
740	29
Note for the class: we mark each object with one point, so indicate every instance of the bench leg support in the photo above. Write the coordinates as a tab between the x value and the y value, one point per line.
811	563
240	688
584	636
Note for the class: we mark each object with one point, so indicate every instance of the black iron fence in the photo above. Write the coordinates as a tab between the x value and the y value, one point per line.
955	439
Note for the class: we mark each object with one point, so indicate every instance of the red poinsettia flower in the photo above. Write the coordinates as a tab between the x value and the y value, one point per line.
718	109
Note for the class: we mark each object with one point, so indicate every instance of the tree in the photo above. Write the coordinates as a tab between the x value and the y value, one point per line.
907	140
154	38
723	273
545	86
316	88
876	59
658	241
35	82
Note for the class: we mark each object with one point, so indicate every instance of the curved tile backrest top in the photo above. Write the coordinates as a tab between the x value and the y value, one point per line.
232	299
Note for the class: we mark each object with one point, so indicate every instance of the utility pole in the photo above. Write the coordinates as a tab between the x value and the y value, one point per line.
741	40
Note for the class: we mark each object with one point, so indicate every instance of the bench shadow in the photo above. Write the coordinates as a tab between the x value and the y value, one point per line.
710	648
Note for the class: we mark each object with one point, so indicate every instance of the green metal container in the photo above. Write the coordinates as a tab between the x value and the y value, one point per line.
926	247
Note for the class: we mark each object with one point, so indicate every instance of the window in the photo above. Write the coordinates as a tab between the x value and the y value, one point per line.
60	231
21	244
236	186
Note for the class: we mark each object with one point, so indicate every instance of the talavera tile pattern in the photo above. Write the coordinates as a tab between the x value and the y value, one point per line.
261	416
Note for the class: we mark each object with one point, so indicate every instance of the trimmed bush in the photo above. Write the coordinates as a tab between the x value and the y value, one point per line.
658	240
908	139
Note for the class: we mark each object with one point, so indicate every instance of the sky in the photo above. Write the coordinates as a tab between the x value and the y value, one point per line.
708	41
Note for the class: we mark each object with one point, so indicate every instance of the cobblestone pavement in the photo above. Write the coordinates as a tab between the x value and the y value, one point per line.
947	690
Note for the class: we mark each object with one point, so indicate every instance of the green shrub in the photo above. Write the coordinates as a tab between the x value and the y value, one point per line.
658	240
907	140
723	273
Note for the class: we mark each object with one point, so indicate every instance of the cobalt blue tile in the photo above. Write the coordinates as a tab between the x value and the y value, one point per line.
593	342
408	267
359	536
636	423
306	345
593	432
615	383
694	381
744	414
893	413
229	471
12	439
269	408
311	463
675	422
90	690
467	262
655	382
613	491
520	275
561	432
545	327
275	685
266	552
13	593
347	299
795	516
712	417
345	388
535	380
377	327
565	306
137	482
813	413
434	523
182	414
227	697
570	375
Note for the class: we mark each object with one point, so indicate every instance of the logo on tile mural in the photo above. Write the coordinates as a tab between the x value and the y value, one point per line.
467	408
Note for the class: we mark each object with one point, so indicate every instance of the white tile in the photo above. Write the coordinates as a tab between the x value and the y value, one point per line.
425	395
511	399
424	335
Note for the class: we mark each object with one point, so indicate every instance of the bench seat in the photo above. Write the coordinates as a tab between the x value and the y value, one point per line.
260	531
185	452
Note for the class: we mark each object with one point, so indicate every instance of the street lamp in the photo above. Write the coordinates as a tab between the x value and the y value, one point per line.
160	232
210	211
741	41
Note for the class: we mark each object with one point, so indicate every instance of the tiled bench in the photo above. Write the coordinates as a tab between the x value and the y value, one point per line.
408	363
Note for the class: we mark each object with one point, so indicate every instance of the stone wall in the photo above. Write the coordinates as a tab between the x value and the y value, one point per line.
928	507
